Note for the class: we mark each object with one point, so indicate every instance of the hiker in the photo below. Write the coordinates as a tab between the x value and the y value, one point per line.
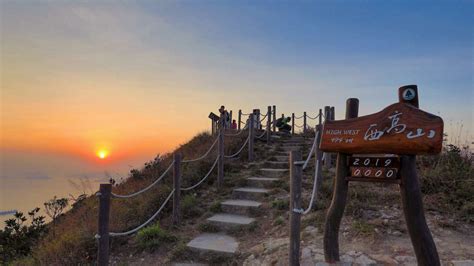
223	111
282	124
234	125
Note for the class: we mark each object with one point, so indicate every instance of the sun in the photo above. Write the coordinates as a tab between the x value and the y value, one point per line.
102	154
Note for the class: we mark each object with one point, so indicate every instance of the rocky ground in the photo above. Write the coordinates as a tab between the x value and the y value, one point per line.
384	241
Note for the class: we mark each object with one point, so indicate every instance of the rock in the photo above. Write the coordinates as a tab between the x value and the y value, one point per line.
346	258
364	260
274	244
406	260
354	253
462	262
396	233
384	259
306	258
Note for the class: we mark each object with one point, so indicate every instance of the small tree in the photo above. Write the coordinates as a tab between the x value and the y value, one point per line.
55	207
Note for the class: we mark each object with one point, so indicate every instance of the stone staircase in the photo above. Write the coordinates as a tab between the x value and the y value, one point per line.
242	210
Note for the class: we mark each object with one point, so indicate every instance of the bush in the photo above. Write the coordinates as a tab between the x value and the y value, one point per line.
190	207
17	238
448	178
281	204
153	236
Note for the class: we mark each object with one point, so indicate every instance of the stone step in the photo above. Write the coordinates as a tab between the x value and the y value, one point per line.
250	193
281	158
238	206
273	172
292	148
227	221
262	182
275	164
219	243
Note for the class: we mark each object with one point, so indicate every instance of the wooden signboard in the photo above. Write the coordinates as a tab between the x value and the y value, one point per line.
398	129
374	169
214	117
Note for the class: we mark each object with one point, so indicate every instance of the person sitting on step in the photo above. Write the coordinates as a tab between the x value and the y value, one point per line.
282	124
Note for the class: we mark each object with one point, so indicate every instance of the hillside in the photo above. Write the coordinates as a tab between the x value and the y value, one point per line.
372	231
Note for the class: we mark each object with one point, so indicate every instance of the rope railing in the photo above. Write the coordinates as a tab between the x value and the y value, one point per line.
205	155
204	178
317	170
299	117
263	118
240	150
299	126
145	189
312	118
145	223
263	134
234	135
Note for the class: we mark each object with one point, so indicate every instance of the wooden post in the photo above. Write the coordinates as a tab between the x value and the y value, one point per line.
274	118
213	130
220	148
269	117
296	166
320	116
292	123
327	110
304	122
251	137
240	119
339	197
318	157
333	113
331	155
103	235
177	188
230	117
412	200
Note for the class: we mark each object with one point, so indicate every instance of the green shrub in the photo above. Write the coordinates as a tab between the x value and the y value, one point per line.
17	238
153	236
279	221
281	204
189	206
448	178
215	207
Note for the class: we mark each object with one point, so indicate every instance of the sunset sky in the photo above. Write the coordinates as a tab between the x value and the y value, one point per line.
137	79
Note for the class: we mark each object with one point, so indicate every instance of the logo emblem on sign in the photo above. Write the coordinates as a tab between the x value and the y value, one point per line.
409	94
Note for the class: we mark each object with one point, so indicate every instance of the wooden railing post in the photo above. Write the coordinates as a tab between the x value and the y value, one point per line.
412	200
240	119
304	122
220	148
320	116
177	188
333	113
251	137
274	118
103	234
292	123
230	117
339	197
269	123
296	166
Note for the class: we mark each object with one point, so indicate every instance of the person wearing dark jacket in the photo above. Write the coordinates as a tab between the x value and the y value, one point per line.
282	124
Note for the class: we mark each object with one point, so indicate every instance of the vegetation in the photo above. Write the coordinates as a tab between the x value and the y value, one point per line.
18	237
153	236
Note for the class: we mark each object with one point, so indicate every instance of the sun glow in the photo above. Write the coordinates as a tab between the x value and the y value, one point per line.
102	154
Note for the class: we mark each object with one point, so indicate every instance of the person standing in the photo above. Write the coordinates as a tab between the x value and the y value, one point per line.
223	111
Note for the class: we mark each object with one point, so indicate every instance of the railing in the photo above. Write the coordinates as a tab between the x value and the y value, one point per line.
250	126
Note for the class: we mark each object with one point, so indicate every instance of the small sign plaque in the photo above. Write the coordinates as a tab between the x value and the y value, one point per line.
380	168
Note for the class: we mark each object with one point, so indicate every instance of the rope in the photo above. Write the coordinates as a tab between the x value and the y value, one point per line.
205	155
263	134
240	150
299	126
313	194
147	188
299	117
265	116
147	222
313	118
234	135
312	150
204	178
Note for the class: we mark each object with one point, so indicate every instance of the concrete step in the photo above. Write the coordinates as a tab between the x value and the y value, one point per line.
243	207
273	172
219	243
250	193
291	148
281	158
262	182
275	164
227	221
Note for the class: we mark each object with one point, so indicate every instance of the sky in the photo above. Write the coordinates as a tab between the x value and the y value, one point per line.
138	78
